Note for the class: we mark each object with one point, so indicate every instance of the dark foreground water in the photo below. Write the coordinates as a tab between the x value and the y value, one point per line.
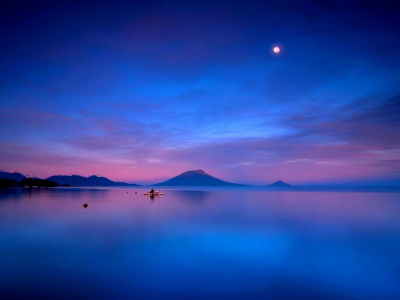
217	243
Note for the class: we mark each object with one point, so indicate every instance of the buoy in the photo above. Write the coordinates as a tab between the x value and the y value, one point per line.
85	205
135	192
127	192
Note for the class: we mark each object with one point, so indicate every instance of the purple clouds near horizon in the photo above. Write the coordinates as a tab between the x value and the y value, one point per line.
143	92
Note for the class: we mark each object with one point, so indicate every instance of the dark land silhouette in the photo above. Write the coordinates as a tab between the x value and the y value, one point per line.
38	182
14	179
189	178
5	182
77	180
196	178
30	182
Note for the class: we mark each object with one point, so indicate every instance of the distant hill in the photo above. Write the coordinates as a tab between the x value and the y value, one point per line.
86	181
280	183
195	178
12	175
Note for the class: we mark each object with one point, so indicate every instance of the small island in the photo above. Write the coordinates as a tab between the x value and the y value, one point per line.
280	183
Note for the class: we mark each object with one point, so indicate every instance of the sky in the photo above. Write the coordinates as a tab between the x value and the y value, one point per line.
141	91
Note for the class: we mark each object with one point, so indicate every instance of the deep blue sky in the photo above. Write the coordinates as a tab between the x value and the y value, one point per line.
141	91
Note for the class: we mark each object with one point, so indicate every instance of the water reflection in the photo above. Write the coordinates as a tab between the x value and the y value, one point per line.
199	244
192	196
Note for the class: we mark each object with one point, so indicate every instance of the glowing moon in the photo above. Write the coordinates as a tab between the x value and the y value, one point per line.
277	49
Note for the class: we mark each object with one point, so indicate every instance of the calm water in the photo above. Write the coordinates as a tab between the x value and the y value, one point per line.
217	243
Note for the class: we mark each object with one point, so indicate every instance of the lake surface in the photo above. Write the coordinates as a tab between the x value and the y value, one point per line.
200	243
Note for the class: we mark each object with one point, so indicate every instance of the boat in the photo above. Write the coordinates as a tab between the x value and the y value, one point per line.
154	193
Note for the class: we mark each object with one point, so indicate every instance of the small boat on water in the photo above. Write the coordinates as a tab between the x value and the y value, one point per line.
153	193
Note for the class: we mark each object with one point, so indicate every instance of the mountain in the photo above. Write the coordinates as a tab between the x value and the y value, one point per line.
195	178
12	175
279	183
86	181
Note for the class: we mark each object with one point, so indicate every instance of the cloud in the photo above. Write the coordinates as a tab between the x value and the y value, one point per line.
138	89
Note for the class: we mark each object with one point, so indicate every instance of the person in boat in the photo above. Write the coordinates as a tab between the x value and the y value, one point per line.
152	193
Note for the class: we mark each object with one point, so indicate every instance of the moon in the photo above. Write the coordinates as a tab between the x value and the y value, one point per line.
277	49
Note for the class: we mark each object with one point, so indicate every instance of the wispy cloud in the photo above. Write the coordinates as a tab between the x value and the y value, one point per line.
143	91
